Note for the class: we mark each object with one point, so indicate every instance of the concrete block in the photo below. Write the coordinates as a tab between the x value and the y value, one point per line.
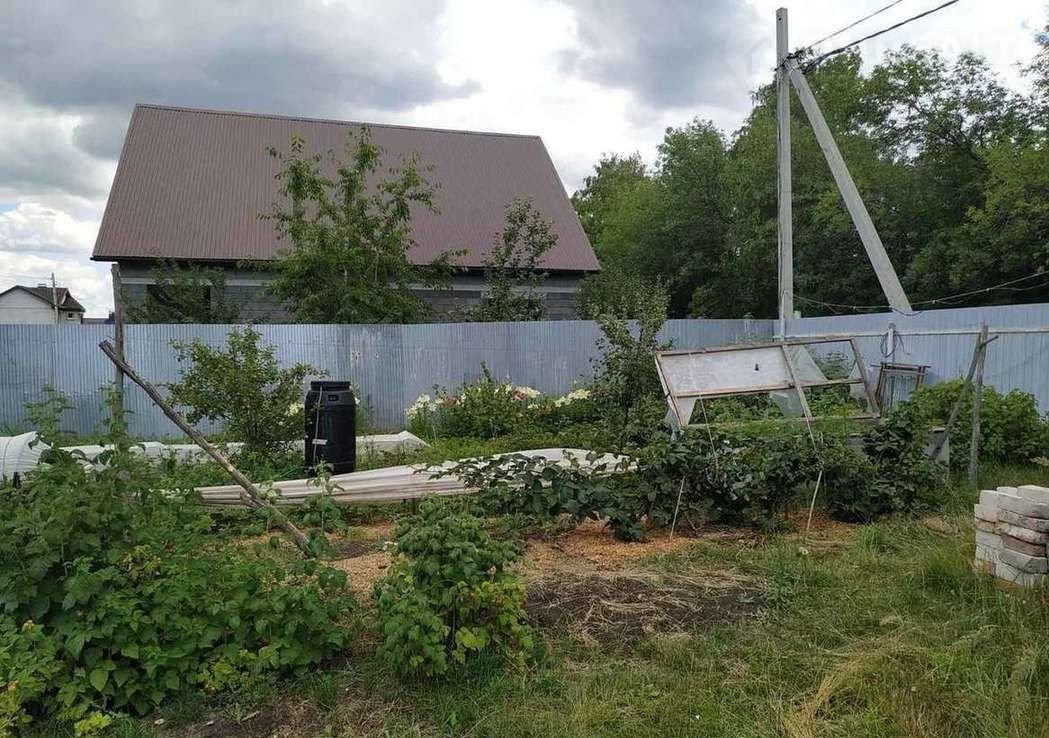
1024	547
981	566
1007	490
1022	521
986	526
1024	534
1023	562
1011	574
986	554
988	540
989	497
1023	506
986	512
1034	493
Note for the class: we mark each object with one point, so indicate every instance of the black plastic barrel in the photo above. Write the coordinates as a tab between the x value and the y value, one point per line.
331	427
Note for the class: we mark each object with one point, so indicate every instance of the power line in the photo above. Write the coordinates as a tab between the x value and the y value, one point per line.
829	36
868	37
947	299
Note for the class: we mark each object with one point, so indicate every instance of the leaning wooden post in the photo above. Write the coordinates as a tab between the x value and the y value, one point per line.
974	443
981	345
118	339
249	494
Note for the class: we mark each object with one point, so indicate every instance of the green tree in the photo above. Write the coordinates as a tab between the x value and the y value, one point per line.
187	293
597	199
351	235
244	388
625	383
513	271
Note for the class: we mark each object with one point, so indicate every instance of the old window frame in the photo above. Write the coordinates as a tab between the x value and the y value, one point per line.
672	396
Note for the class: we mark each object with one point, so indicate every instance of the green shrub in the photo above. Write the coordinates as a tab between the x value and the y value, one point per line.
482	409
626	385
132	600
891	475
28	666
533	486
726	477
1011	429
244	388
449	595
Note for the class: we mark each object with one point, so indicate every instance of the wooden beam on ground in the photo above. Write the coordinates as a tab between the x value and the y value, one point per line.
249	494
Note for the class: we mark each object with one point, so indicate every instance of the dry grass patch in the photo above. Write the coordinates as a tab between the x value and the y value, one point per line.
627	606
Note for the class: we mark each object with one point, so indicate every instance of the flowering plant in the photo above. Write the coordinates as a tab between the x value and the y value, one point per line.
482	409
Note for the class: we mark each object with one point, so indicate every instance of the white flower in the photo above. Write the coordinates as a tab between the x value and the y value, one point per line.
527	392
423	403
576	394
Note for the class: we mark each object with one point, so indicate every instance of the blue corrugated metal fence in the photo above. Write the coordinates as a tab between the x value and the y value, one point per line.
393	364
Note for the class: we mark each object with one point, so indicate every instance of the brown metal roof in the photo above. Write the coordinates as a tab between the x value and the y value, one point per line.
190	184
66	301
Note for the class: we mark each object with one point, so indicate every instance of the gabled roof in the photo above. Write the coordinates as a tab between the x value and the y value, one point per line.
66	301
191	183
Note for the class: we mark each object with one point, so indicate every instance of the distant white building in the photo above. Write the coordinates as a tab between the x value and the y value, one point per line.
22	304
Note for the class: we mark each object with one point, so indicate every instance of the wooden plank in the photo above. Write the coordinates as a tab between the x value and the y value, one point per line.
249	495
974	443
118	340
981	343
890	282
803	341
797	385
872	400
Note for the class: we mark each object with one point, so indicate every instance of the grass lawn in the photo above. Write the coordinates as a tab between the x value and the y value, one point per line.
878	630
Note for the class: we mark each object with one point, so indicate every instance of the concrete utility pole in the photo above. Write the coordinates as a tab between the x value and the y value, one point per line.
890	283
786	213
54	296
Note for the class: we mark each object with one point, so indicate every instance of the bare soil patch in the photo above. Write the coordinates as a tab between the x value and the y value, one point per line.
627	606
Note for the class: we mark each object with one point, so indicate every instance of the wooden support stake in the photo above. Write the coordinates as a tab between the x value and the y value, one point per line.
249	494
974	443
118	339
981	344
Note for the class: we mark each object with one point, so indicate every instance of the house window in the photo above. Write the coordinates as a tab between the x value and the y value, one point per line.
70	315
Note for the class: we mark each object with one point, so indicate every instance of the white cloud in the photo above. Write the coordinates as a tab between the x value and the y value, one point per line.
588	77
31	226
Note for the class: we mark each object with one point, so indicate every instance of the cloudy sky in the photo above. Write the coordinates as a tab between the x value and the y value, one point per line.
589	76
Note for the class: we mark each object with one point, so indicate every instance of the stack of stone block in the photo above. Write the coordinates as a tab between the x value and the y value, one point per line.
1012	534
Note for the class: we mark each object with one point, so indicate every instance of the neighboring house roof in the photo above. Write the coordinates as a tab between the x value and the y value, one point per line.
190	184
66	301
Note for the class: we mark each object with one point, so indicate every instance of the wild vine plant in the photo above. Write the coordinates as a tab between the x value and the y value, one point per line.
347	223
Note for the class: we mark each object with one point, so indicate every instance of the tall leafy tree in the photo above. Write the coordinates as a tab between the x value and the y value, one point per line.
596	199
949	161
513	271
350	234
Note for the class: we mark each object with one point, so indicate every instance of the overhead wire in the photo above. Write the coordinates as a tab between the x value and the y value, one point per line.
841	49
945	300
852	25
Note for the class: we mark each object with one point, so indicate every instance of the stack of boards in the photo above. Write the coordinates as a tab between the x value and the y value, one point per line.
1012	534
402	483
